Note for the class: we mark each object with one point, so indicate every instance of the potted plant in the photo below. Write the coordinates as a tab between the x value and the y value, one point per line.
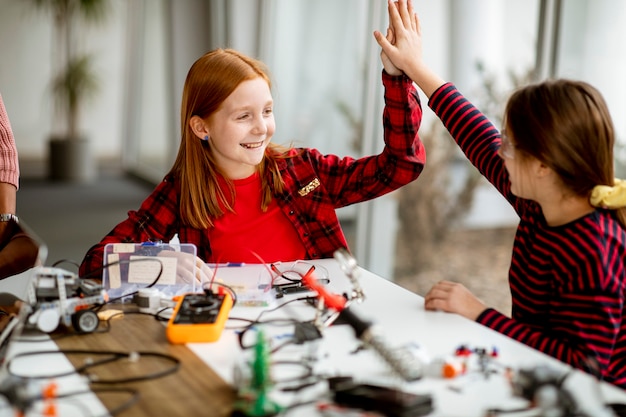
74	81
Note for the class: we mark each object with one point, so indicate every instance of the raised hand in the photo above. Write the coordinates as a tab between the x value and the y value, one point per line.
404	46
387	64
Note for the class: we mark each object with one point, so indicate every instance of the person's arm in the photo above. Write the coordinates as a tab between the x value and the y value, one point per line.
349	180
19	253
9	172
403	46
571	344
9	165
475	134
8	194
156	220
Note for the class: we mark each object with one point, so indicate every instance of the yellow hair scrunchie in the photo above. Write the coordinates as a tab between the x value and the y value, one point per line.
609	197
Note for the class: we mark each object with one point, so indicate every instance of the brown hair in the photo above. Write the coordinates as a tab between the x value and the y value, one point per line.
211	79
566	125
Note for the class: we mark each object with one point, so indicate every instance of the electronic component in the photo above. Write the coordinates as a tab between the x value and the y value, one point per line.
58	297
544	387
401	360
253	381
199	317
389	401
294	287
350	267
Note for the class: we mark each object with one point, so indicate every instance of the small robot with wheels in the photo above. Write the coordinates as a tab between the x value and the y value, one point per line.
58	297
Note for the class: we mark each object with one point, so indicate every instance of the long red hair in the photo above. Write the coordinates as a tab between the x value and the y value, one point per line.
211	79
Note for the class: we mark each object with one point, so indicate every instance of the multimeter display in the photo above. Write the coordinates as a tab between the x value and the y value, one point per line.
198	308
199	318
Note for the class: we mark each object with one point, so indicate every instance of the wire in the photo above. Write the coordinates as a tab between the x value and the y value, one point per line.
249	321
293	406
243	332
124	406
271	310
123	262
232	292
282	274
280	321
112	356
307	372
69	261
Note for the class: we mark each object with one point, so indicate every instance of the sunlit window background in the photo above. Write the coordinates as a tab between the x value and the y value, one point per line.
326	74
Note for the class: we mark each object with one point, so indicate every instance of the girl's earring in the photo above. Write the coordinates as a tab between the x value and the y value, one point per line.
206	138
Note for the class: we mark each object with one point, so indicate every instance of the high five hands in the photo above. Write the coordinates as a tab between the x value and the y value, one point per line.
402	47
403	41
402	53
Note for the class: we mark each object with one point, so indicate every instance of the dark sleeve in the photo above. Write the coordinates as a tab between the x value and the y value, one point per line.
19	253
477	137
156	220
350	180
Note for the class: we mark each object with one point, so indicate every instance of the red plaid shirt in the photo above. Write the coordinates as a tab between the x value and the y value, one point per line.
315	185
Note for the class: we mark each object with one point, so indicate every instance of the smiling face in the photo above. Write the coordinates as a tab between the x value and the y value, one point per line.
240	130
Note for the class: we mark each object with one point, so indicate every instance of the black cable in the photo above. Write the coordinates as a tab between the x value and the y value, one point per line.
271	310
124	406
113	356
249	321
243	332
69	261
495	412
232	292
100	270
158	315
280	321
69	400
293	406
129	261
307	373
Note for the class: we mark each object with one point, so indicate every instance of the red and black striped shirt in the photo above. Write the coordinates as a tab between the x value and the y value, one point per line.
567	282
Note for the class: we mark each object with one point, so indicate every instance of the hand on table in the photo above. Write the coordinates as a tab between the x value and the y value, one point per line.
454	298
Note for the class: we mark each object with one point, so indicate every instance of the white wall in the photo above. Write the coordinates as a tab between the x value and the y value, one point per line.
501	34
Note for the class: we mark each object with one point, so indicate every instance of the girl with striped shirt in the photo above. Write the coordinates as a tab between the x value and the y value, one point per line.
553	162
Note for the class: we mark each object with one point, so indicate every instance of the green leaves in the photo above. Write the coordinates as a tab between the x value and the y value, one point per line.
72	86
76	79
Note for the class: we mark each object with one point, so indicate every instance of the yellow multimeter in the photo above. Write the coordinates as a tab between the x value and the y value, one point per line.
199	318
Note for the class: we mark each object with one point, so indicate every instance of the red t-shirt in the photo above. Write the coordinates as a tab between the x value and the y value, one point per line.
248	232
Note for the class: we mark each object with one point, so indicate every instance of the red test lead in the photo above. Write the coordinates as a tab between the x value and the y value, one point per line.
334	301
402	361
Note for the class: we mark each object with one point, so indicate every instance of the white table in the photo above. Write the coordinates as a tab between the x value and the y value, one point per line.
401	316
402	319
